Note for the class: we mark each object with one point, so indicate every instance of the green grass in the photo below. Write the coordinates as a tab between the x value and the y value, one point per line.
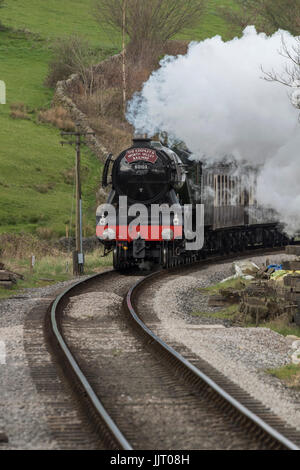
227	313
30	153
237	284
213	24
54	18
24	62
51	269
289	374
38	161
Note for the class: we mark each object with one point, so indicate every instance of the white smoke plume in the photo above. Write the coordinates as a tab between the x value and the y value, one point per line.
215	100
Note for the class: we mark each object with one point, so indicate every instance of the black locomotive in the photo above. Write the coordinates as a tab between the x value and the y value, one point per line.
150	174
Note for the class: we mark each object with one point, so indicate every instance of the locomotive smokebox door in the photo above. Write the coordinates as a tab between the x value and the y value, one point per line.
139	249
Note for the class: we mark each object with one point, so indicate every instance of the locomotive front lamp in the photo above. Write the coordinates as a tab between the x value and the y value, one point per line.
167	234
109	234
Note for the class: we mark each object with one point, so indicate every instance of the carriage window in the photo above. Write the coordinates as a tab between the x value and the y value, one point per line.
241	192
222	190
217	190
233	191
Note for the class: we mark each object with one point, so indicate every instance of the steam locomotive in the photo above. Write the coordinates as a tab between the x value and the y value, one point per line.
150	173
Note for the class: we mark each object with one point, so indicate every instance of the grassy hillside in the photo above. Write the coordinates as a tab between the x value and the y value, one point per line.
213	24
53	18
34	190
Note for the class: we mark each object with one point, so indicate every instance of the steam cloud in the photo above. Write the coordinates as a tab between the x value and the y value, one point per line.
215	100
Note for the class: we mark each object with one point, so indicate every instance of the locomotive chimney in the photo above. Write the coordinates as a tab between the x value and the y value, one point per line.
141	139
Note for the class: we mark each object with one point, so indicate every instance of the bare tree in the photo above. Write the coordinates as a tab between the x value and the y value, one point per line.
290	75
149	23
71	55
244	13
282	14
124	9
266	15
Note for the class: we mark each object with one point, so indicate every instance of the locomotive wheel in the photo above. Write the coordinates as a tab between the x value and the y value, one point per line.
246	242
240	244
237	246
225	246
172	259
165	258
116	259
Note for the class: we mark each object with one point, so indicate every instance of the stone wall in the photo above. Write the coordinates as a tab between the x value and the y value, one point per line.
63	98
68	244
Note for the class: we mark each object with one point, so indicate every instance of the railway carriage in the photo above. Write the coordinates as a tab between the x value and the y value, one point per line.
150	173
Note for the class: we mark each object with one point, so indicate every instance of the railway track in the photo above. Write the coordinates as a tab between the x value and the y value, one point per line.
151	396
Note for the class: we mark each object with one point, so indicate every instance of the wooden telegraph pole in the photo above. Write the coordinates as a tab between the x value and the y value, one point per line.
78	258
124	54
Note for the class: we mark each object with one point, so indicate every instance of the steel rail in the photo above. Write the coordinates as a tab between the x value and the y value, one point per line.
117	435
199	374
98	407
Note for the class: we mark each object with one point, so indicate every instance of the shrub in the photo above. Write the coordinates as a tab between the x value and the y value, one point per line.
70	55
45	233
58	117
44	187
149	24
68	176
23	245
19	111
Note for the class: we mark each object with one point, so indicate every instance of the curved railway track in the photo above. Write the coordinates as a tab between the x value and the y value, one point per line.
110	435
141	393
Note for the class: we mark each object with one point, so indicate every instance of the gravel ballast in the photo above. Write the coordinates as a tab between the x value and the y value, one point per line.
22	412
242	354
